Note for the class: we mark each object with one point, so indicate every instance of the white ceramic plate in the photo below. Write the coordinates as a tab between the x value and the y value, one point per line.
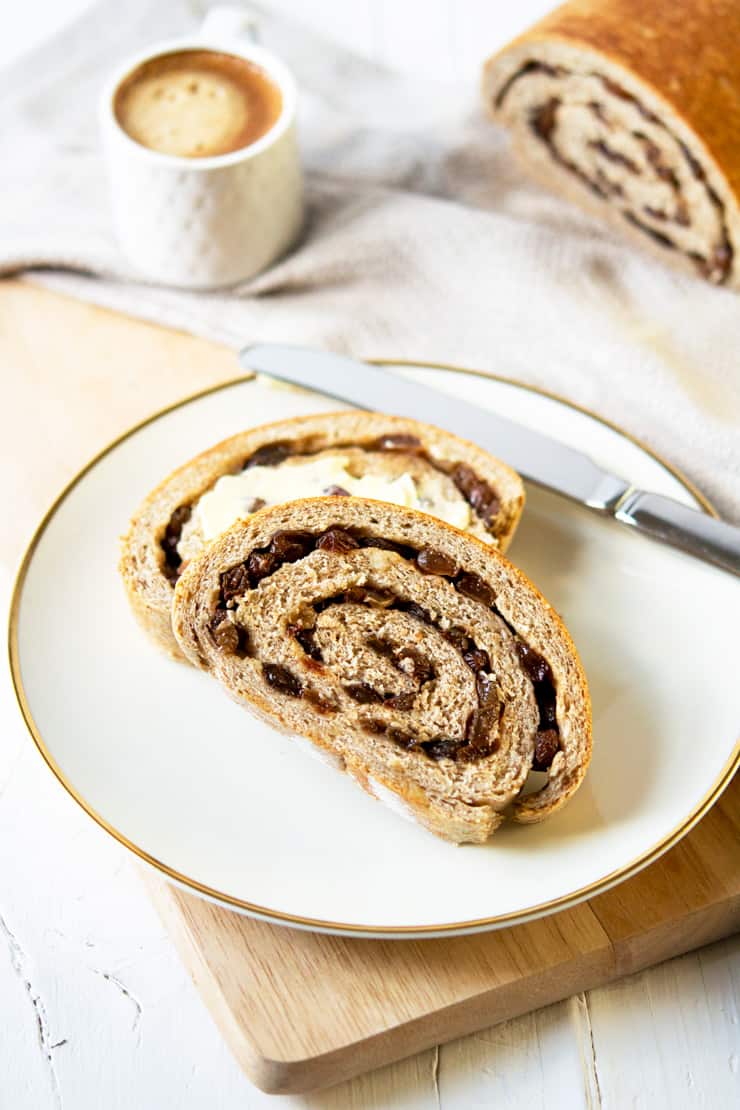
218	802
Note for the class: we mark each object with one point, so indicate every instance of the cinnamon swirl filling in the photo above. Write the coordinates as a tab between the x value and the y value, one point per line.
623	153
401	639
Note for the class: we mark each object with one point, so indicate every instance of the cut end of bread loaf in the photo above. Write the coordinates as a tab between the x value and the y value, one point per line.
588	120
415	654
154	552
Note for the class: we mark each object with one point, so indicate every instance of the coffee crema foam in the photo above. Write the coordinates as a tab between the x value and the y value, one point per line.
197	103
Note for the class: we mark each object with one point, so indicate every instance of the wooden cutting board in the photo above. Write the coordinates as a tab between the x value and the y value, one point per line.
301	1010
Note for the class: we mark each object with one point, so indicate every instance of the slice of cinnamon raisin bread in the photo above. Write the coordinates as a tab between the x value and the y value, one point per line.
410	651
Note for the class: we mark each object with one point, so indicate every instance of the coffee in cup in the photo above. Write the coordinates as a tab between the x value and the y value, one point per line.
199	135
197	103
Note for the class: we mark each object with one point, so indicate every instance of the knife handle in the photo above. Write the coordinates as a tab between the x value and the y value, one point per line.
693	531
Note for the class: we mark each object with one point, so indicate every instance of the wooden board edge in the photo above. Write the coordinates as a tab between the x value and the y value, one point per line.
670	939
579	973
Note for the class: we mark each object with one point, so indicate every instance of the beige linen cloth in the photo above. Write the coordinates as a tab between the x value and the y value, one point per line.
423	241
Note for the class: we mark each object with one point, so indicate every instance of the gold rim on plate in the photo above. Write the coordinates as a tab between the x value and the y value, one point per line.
278	916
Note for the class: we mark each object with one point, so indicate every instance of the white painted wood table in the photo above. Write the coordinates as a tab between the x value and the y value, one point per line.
96	1009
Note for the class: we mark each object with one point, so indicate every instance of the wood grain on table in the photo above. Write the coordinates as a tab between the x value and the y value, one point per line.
95	1007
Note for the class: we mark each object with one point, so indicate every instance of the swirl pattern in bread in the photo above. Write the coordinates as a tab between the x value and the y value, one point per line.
631	108
414	654
167	529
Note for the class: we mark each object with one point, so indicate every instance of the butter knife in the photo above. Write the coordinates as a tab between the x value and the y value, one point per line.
536	456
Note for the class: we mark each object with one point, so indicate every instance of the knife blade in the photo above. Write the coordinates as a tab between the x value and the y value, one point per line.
536	456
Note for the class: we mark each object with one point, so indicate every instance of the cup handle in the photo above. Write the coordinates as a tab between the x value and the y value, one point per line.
224	25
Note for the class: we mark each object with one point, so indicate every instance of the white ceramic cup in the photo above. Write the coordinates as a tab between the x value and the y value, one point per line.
201	223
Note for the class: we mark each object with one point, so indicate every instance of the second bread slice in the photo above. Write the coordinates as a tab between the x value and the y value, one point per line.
384	457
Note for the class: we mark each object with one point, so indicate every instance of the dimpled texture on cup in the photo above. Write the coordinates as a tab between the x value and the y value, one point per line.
207	227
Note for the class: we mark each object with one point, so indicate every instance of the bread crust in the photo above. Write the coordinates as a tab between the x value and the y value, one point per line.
142	561
462	802
681	60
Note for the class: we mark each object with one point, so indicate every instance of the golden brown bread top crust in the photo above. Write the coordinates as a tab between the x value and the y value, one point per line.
687	52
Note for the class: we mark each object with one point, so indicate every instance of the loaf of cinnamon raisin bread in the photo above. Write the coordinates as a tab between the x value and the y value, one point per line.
631	108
